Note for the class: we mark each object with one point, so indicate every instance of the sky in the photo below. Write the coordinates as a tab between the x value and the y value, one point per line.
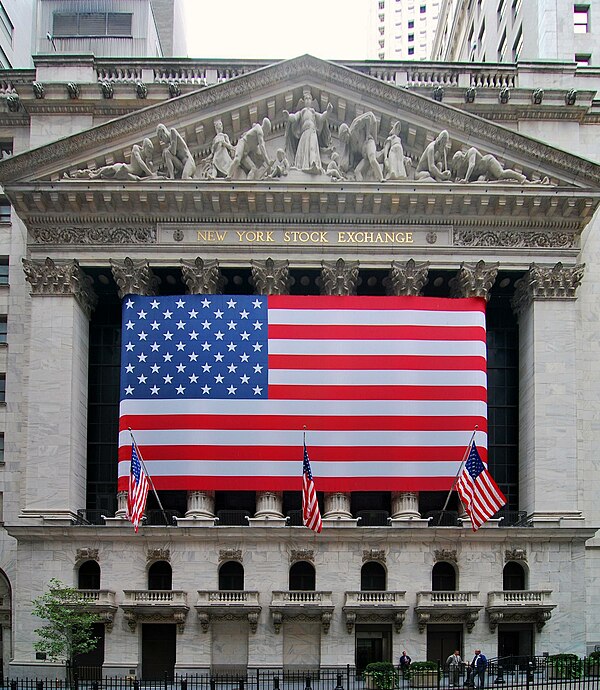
277	29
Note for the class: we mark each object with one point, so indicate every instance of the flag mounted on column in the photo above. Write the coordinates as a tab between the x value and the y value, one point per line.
478	491
311	515
138	489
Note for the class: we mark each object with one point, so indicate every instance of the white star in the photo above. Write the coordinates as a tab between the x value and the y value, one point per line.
193	378
168	378
219	357
193	335
180	390
141	314
129	304
193	314
205	324
142	357
130	325
244	314
232	325
245	378
168	335
180	303
129	368
257	303
231	390
143	335
245	335
244	357
257	347
205	346
154	390
142	378
180	325
168	357
193	357
155	325
180	346
218	378
155	304
167	314
129	390
257	325
231	303
232	368
257	390
206	367
218	314
155	347
206	390
129	347
231	347
181	368
258	368
219	335
205	303
155	368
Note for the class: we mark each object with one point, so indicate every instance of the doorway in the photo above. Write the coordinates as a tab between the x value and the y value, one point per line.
442	640
89	665
373	643
158	651
515	640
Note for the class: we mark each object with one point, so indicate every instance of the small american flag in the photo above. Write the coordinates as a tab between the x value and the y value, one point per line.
478	491
138	490
311	515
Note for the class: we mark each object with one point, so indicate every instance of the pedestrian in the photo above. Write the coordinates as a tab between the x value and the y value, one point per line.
479	666
454	664
404	664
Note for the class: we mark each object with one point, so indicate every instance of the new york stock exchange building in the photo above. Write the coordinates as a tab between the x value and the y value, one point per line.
311	184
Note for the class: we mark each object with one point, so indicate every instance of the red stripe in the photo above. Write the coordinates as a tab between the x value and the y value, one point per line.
359	332
370	362
314	423
318	453
388	303
377	393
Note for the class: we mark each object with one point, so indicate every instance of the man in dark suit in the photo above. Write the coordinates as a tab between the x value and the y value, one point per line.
479	666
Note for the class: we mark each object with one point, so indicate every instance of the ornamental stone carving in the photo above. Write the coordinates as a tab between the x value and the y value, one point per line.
407	279
158	555
517	554
38	89
537	96
134	277
446	555
339	278
60	278
107	89
13	103
86	554
141	90
474	280
93	235
374	555
271	277
73	90
514	239
230	555
202	277
302	555
544	282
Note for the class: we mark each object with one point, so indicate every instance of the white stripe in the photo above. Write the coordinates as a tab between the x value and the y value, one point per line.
444	348
182	468
375	317
323	408
246	438
377	377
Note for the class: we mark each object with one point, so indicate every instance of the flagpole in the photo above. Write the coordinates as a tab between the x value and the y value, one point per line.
141	459
465	456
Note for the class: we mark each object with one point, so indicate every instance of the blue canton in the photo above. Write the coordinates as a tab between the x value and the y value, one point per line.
306	465
474	463
194	346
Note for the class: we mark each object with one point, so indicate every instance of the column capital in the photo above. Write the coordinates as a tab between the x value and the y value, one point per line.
474	280
547	282
271	277
407	278
56	278
339	277
202	277
134	277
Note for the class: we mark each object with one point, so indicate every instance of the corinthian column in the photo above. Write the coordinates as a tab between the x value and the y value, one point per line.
270	277
338	278
62	300
474	280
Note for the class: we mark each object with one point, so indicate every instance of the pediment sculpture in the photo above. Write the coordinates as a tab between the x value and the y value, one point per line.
308	152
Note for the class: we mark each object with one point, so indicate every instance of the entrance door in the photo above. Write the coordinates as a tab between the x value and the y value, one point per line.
89	665
373	643
442	640
158	651
515	640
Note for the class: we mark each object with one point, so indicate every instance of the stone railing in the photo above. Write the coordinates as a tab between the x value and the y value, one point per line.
525	598
374	598
99	597
446	598
154	597
302	598
227	597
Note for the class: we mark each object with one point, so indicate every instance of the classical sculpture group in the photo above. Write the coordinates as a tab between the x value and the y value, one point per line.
309	152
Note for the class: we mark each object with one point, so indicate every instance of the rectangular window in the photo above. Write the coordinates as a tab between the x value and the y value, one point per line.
583	60
382	5
6	26
411	50
501	5
2	388
73	24
423	9
411	38
1	449
581	19
502	47
5	209
518	45
411	23
3	270
3	328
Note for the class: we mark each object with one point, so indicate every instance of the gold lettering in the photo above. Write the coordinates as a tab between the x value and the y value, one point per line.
409	237
286	236
388	237
324	239
240	235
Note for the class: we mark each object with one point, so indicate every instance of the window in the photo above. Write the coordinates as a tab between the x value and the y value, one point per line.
2	388
513	577
382	44
372	577
1	449
581	19
71	24
3	270
583	60
518	45
5	209
443	578
302	577
501	5
411	38
3	329
411	50
423	9
6	26
411	23
382	5
88	575
231	576
502	46
160	576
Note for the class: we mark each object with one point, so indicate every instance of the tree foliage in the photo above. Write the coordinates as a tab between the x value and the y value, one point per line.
68	630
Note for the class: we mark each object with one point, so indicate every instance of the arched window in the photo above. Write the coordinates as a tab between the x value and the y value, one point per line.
443	577
302	577
372	577
160	575
513	577
88	575
231	576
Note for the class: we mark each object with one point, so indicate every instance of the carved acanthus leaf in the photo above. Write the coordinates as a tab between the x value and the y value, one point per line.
158	555
134	277
474	280
408	278
339	277
202	277
230	555
271	277
545	282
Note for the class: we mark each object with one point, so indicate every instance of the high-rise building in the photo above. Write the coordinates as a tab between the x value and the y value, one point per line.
16	33
402	29
517	30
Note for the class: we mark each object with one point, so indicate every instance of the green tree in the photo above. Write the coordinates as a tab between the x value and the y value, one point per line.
69	626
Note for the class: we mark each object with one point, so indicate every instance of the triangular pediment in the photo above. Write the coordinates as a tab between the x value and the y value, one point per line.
268	93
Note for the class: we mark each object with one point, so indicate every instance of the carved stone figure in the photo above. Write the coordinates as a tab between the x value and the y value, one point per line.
221	149
281	165
307	131
433	164
360	148
394	160
333	168
139	167
473	166
176	155
251	155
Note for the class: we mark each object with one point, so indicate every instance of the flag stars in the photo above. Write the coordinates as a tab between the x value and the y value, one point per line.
258	368
168	378
219	357
155	304
257	390
155	368
141	314
143	335
231	347
129	390
257	304
154	390
193	335
206	325
180	304
244	314
180	390
257	347
219	378
205	390
245	335
231	390
129	304
206	367
231	325
129	369
142	357
244	357
167	314
155	347
231	303
180	346
155	325
206	346
193	378
218	314
193	357
180	325
193	314
257	325
219	335
168	335
232	368
245	379
130	347
205	303
142	378
167	356
129	325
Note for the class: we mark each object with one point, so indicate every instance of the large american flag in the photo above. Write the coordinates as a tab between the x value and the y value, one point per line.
218	389
478	491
